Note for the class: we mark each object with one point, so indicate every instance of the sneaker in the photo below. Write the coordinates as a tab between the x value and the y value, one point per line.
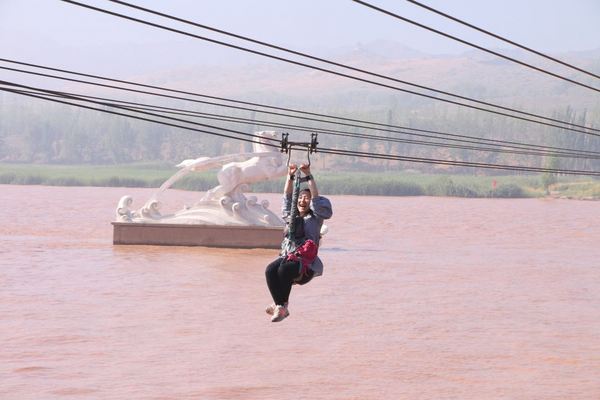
271	308
280	313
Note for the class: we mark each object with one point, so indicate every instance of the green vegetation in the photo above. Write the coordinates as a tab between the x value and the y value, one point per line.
588	190
35	132
139	175
412	184
129	175
353	183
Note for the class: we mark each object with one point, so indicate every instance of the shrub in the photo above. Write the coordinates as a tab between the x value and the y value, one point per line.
509	190
65	182
8	178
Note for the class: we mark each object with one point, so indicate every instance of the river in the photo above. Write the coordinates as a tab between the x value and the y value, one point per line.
421	298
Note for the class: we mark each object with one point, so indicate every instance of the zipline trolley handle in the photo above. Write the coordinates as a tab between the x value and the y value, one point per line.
286	146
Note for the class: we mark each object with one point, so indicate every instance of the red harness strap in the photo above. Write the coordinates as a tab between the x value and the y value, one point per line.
306	254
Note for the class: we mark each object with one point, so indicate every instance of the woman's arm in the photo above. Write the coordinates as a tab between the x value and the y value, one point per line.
321	206
288	188
286	208
312	185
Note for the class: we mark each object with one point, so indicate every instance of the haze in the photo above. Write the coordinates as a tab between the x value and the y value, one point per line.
58	33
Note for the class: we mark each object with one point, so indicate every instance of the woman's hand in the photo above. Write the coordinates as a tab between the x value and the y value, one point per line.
305	168
292	169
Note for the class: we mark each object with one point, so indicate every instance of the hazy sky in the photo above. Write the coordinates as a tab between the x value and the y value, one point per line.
52	32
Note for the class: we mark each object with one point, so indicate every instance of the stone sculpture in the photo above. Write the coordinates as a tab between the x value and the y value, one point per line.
226	203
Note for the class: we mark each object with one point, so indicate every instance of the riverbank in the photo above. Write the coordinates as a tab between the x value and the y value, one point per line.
389	183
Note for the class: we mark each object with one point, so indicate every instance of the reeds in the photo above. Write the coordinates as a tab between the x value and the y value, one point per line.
331	183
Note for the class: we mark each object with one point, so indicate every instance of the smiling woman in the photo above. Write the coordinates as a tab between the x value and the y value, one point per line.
298	262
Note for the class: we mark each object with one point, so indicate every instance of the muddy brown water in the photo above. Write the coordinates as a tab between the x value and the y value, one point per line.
422	298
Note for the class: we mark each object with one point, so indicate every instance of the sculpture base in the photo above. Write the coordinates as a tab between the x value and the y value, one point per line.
197	235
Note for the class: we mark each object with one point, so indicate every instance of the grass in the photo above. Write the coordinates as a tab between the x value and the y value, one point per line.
129	175
411	184
576	190
381	184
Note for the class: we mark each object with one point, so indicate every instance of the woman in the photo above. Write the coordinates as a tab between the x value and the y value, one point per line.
297	263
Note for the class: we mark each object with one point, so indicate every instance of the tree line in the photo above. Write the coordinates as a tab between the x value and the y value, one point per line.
38	132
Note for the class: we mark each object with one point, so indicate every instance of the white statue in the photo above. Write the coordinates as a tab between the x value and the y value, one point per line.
256	169
123	213
224	204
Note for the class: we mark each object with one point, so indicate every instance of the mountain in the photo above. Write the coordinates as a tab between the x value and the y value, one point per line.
472	74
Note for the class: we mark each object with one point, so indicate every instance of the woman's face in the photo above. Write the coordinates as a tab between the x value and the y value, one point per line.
304	202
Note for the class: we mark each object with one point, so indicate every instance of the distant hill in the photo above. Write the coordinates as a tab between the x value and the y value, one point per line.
473	74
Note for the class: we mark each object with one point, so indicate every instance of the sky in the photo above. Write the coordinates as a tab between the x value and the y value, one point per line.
52	32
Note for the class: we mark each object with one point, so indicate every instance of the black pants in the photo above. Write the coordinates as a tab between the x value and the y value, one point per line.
281	275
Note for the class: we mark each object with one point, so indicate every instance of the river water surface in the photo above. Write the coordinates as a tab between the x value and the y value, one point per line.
421	298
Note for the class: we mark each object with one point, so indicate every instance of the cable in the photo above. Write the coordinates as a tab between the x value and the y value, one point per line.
296	52
138	106
200	95
231	100
502	38
566	152
143	119
543	149
342	152
346	75
474	45
203	102
457	163
239	120
346	152
70	97
270	124
293	116
569	151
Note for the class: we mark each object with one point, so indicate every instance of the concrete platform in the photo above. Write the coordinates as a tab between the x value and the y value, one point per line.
197	235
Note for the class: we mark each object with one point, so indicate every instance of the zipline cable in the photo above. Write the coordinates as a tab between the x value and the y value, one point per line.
497	143
346	75
271	124
455	163
556	60
143	119
204	102
330	150
333	132
246	121
227	99
539	150
410	21
262	43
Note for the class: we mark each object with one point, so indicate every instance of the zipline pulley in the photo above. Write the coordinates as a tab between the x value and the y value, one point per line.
286	146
